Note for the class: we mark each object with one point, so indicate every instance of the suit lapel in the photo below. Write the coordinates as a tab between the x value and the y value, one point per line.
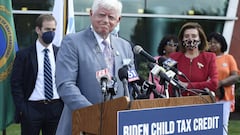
55	50
33	57
117	56
93	44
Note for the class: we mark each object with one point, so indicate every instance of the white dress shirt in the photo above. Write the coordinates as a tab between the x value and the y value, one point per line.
38	92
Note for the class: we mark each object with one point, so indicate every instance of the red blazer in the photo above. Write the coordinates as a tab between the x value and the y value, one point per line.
201	71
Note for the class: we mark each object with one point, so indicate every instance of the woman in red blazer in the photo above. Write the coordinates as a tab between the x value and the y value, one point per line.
198	65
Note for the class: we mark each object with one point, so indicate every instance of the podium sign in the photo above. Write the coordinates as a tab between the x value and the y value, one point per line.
192	119
101	119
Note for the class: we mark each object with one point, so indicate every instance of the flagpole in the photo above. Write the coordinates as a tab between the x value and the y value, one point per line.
65	12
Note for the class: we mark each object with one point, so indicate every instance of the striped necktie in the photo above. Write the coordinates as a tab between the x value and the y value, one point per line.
108	55
48	85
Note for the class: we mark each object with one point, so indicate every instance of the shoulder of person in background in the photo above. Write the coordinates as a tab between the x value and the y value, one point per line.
176	55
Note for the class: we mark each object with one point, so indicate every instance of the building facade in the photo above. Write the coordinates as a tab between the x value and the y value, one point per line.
143	22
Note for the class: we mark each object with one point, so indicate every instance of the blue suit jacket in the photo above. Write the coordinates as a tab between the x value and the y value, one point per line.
78	60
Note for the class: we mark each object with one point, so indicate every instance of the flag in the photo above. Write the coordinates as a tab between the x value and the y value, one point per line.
63	11
8	47
71	21
58	13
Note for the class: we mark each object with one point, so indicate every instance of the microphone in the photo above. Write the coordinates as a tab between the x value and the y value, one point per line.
103	83
123	76
135	82
156	69
147	88
160	71
132	75
141	88
112	86
169	64
139	50
103	77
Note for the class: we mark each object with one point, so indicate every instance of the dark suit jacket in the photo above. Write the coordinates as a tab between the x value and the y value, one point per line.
24	74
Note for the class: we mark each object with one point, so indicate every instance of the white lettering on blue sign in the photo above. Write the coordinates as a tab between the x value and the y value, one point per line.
163	128
169	127
183	125
205	123
139	129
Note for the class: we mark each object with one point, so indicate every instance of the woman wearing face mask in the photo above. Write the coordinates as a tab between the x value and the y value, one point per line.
198	65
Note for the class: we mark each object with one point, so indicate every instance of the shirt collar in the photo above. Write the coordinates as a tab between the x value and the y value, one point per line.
41	47
99	38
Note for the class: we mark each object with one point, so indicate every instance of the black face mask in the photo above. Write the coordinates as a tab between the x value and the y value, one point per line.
191	44
48	36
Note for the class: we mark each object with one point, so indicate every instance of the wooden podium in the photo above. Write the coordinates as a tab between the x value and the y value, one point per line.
101	119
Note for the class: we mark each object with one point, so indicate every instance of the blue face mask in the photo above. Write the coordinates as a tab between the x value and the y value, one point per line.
48	36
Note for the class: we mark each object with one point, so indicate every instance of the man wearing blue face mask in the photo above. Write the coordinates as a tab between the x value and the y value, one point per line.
38	105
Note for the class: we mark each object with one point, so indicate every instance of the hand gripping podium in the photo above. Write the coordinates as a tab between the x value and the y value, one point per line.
101	119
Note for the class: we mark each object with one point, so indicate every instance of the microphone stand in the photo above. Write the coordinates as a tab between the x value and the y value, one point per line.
104	89
165	86
166	89
178	90
112	88
105	95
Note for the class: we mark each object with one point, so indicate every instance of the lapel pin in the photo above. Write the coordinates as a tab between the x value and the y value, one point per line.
117	53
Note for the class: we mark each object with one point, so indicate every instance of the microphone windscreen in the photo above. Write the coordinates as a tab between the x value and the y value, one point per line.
123	73
137	49
161	60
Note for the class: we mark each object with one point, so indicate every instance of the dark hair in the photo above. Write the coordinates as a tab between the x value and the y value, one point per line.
42	18
193	25
164	41
220	38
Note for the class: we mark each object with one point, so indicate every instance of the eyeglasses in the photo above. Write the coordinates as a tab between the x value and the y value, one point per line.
213	42
172	44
